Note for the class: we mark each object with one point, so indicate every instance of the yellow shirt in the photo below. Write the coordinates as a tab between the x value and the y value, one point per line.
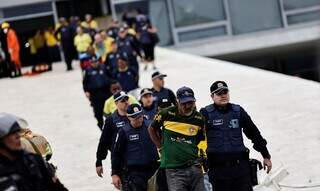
107	43
33	49
93	24
50	39
110	105
82	42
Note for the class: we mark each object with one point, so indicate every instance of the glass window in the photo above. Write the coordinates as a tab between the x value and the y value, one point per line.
191	12
27	9
202	33
304	17
131	7
252	15
160	18
296	4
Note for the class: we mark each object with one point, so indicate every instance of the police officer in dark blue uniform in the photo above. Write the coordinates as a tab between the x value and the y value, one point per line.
96	85
134	156
149	106
159	91
228	158
113	30
127	77
112	59
118	119
67	34
128	45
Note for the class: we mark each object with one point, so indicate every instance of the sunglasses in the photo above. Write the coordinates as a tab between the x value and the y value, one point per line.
222	92
125	99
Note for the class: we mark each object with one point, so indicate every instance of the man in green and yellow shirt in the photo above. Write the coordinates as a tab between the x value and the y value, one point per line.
182	130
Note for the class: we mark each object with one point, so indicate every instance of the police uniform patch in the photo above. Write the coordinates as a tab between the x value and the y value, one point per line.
234	123
134	137
120	124
217	122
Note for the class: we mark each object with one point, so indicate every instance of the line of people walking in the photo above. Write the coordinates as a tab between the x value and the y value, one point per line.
163	142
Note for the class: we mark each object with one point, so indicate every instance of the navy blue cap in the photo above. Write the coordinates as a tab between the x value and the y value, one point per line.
134	110
158	75
185	94
119	96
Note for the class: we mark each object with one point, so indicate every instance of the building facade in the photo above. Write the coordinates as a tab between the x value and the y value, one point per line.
278	35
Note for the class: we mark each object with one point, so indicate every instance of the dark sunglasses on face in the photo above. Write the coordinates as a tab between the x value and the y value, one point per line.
222	92
125	99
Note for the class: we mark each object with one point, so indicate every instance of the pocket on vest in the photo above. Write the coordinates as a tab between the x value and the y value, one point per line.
235	137
216	139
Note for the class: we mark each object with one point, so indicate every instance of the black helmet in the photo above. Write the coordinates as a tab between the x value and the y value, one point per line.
10	123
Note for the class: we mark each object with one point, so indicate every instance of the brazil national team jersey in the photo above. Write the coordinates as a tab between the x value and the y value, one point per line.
180	136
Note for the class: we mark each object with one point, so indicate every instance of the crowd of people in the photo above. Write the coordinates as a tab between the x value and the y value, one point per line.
84	41
157	140
162	142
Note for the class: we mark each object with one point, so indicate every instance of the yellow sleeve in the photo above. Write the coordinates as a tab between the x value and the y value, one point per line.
132	99
109	106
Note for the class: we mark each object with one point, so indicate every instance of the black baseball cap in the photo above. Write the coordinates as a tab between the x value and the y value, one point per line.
145	91
157	75
185	94
217	86
119	96
134	110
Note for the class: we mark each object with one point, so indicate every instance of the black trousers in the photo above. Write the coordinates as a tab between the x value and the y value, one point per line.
148	50
98	105
230	176
137	179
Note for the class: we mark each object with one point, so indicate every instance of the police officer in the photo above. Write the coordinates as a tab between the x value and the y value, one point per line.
128	77
96	85
127	45
118	119
20	170
228	157
159	91
66	35
149	106
112	59
134	156
110	105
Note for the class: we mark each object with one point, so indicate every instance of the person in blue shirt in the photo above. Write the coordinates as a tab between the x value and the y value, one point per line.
126	76
149	106
96	85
